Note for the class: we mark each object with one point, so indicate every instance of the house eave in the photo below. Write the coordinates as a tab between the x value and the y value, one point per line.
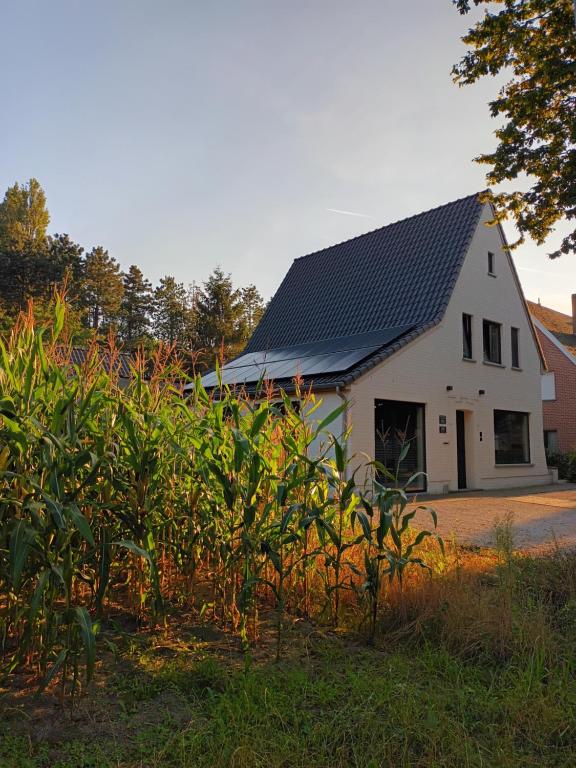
552	338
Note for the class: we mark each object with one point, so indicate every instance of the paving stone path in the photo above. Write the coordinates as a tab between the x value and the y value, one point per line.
543	517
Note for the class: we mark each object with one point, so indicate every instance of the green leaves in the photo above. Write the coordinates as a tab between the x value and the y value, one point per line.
259	421
87	632
132	547
21	539
15	435
136	494
53	670
533	43
80	523
329	419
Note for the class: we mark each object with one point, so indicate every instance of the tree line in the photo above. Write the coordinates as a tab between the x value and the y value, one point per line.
209	322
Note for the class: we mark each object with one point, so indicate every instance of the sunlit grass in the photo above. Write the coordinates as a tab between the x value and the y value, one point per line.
422	699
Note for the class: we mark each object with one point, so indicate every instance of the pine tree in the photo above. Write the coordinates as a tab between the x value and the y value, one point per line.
220	319
136	308
173	318
102	288
253	308
62	265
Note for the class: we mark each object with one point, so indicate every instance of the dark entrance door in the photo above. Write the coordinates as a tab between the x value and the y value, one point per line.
461	448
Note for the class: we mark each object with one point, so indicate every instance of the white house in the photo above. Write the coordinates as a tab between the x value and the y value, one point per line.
422	327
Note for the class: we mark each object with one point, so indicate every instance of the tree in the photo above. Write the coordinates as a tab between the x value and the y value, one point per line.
102	288
62	264
253	309
173	320
24	219
136	308
220	320
535	41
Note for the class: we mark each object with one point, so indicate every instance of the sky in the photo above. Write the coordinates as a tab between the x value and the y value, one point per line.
184	135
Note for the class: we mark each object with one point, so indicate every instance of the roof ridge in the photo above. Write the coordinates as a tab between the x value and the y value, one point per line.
391	224
550	309
334	294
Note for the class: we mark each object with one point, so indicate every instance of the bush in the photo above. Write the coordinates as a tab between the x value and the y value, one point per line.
566	464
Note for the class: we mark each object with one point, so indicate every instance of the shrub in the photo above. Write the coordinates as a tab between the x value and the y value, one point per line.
566	464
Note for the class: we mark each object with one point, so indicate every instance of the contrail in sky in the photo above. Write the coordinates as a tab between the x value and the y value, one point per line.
350	213
529	269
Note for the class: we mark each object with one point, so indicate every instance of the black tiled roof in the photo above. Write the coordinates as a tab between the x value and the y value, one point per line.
120	361
400	275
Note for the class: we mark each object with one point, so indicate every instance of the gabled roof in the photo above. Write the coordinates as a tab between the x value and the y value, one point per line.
389	285
559	324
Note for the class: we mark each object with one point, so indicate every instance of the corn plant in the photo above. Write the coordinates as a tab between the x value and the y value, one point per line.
385	523
140	497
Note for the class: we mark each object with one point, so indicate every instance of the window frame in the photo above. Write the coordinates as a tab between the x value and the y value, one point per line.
515	347
548	385
486	325
417	431
507	460
491	260
549	450
467	340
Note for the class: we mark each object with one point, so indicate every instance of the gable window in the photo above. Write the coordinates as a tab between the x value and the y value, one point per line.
511	437
491	263
492	342
514	337
467	337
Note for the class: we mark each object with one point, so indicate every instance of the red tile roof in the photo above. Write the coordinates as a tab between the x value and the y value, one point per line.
557	323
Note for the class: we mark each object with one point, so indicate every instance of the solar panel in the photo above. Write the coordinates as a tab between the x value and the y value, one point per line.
324	346
313	359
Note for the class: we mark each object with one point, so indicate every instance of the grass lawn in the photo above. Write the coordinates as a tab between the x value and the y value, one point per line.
449	694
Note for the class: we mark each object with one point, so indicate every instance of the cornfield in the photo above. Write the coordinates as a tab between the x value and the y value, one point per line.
140	496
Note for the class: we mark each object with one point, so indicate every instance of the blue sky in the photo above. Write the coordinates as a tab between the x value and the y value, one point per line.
182	135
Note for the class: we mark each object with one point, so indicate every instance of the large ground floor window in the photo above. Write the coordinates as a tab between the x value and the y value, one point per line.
397	424
511	437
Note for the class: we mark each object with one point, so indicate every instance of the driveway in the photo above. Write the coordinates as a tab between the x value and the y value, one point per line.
542	517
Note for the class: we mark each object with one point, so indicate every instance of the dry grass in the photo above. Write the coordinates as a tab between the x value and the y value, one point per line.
479	671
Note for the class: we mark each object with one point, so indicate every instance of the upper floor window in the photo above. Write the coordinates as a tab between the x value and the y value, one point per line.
514	341
492	342
491	269
467	337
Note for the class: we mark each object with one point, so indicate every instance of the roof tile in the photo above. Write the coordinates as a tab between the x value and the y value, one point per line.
557	323
399	275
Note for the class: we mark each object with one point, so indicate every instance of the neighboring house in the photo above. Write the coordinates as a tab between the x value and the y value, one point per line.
557	335
119	363
421	326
